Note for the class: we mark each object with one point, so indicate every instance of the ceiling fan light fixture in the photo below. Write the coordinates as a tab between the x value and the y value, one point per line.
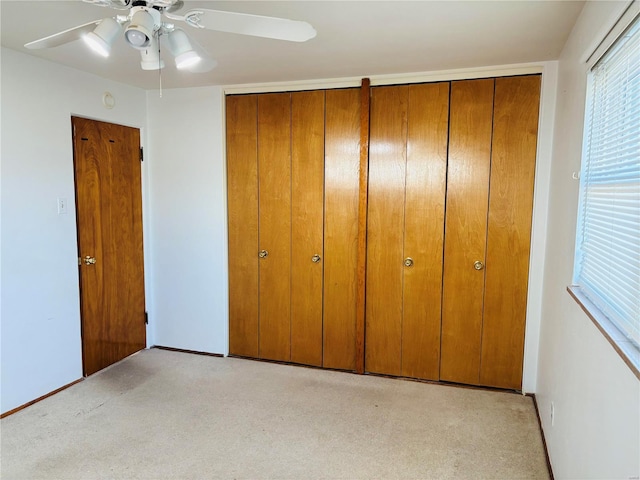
102	37
185	55
150	57
144	23
187	59
97	44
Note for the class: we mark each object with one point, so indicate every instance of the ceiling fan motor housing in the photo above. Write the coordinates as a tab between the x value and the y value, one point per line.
145	22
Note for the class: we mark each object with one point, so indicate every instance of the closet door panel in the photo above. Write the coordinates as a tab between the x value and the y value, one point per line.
342	157
427	139
515	129
242	190
274	177
466	229
307	212
385	239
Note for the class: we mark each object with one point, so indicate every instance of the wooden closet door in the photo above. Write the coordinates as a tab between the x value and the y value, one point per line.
342	158
242	191
515	129
274	198
307	212
471	114
426	180
385	229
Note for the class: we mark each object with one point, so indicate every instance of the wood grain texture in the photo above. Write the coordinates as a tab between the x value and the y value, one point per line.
307	225
274	198
242	205
468	170
426	180
385	227
365	107
342	159
109	216
515	131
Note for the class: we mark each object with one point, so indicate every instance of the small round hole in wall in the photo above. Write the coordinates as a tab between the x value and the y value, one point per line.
108	100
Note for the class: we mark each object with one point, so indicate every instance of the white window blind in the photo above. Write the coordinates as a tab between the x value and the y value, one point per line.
607	266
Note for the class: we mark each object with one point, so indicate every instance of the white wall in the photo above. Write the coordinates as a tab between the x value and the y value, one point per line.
189	302
596	432
41	349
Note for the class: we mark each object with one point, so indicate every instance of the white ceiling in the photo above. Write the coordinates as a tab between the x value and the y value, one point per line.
357	38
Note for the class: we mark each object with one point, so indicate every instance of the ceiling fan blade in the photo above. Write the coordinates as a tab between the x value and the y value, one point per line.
247	24
117	4
61	38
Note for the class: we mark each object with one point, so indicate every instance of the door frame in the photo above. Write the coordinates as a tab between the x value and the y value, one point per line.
542	178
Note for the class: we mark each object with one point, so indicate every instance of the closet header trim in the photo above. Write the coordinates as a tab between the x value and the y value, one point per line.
392	79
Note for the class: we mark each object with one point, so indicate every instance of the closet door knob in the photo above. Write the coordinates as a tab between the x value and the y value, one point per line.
408	262
478	265
263	254
315	258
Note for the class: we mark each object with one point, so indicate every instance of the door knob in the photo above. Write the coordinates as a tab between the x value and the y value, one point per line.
408	262
478	265
89	260
263	254
315	258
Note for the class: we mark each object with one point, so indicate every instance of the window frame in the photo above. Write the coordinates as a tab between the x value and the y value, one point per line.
625	348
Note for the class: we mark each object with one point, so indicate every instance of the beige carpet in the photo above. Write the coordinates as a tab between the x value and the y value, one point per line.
162	414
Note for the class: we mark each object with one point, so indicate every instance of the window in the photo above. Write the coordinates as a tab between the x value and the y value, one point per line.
607	263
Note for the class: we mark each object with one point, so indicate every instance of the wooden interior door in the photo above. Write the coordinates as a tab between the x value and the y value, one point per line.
513	157
109	220
385	229
470	127
407	185
342	157
242	191
274	204
283	152
307	224
425	189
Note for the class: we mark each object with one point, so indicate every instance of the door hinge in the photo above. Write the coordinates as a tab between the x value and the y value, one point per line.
146	318
141	155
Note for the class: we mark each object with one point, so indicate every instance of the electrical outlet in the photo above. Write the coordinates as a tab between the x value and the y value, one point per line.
62	206
553	414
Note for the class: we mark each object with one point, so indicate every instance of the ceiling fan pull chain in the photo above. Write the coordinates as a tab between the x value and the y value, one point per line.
159	64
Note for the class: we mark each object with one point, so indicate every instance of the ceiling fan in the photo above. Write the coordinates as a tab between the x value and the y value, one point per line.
149	23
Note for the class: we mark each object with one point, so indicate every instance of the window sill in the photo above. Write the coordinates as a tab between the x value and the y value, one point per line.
627	350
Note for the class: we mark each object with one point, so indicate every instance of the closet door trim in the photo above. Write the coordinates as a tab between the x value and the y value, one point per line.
365	104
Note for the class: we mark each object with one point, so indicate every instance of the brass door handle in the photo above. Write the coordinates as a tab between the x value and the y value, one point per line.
315	258
263	254
478	265
408	262
89	260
